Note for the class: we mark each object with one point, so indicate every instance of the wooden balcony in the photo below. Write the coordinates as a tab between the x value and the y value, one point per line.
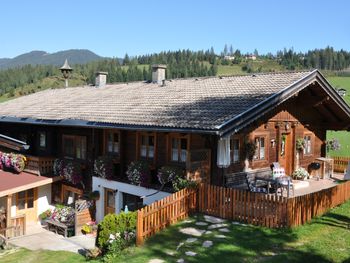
42	166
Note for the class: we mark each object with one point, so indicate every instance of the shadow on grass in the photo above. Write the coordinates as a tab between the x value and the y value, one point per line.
242	244
333	219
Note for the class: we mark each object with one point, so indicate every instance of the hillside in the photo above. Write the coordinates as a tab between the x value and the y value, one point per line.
75	56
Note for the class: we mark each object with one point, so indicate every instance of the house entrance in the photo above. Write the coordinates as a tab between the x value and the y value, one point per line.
26	203
286	152
109	201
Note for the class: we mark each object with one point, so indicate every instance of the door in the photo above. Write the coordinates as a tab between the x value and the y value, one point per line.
26	203
109	201
286	152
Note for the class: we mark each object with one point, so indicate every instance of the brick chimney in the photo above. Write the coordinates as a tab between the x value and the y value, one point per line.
158	73
101	79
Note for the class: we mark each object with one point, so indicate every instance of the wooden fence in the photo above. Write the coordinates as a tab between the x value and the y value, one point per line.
252	208
340	163
164	212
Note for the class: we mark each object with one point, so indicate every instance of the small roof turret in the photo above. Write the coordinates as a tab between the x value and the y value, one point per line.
66	66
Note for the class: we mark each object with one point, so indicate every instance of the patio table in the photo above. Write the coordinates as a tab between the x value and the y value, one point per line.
276	182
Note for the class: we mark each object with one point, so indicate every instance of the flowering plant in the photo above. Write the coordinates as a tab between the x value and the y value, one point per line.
63	214
103	167
333	145
139	173
13	161
168	173
300	174
70	170
300	144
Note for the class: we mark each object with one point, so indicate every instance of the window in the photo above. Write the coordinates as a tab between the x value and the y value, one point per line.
308	144
260	148
147	146
74	146
133	202
112	141
25	199
70	194
42	139
179	148
234	146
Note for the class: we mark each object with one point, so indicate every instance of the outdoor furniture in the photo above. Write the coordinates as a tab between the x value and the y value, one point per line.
270	183
58	227
285	182
257	186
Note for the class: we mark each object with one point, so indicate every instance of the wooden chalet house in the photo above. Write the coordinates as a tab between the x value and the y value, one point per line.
199	124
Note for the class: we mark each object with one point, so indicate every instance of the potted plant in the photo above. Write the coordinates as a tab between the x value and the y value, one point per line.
300	174
299	146
249	149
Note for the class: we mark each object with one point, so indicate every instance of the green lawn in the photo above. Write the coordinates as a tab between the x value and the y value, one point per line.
342	136
325	239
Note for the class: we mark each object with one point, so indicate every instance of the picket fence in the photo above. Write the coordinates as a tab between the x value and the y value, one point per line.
246	207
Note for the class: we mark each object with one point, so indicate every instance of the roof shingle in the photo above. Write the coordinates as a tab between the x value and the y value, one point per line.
197	103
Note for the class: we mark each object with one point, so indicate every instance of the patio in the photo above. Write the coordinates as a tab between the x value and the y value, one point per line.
313	185
40	238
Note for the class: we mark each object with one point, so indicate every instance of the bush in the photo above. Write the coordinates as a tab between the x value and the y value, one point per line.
169	173
113	224
46	214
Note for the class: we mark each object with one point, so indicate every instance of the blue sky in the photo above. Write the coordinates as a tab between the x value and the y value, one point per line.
113	28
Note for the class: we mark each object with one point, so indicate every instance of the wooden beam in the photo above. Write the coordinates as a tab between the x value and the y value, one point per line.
8	211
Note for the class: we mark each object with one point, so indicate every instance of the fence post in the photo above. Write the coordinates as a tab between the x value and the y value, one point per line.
139	228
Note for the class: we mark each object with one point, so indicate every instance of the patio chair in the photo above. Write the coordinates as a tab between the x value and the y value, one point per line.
283	181
255	185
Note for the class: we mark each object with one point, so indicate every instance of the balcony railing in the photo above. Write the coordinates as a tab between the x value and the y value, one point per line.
42	166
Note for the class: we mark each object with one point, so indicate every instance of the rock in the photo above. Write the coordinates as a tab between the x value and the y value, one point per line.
179	245
156	260
191	240
190	253
207	243
192	231
220	236
213	219
181	260
187	221
201	223
170	253
220	225
224	230
208	232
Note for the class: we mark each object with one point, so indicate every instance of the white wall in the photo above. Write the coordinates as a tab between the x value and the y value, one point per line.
99	184
44	198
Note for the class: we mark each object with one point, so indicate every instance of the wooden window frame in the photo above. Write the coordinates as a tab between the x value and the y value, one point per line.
232	139
266	146
178	137
25	199
39	139
305	153
66	188
138	147
105	142
75	139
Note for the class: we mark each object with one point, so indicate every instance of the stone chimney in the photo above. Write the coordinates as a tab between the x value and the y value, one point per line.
101	79
158	73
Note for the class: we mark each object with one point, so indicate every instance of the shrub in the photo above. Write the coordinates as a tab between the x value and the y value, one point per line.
333	145
139	173
103	167
167	174
113	224
46	214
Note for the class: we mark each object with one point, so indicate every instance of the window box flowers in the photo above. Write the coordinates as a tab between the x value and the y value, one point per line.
139	173
12	161
103	167
70	170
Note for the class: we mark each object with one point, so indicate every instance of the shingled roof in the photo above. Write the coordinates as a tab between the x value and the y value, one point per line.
198	104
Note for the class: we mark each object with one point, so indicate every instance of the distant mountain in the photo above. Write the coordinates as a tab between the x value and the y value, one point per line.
74	56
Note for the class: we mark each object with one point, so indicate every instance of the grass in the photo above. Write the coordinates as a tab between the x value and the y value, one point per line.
342	136
325	239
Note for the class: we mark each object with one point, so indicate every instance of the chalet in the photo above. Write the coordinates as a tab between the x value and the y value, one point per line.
199	124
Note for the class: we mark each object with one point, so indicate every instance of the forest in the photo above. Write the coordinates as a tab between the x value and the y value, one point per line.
180	64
